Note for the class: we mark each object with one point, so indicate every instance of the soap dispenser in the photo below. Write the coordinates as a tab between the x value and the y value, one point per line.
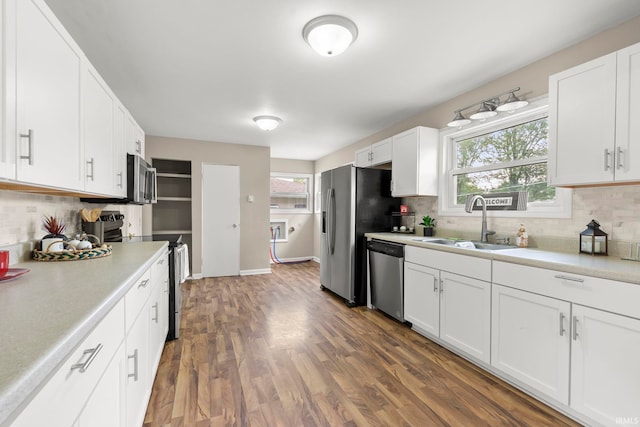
522	238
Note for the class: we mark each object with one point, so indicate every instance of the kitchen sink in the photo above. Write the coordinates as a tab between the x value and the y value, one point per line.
468	244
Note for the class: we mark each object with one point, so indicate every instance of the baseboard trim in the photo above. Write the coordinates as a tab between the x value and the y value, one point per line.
255	271
297	259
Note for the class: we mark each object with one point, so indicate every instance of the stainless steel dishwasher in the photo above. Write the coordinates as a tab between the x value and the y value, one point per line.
386	276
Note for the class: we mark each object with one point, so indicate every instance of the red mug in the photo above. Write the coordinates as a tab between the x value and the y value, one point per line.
4	263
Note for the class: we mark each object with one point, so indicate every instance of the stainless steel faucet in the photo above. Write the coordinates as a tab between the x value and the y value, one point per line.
469	208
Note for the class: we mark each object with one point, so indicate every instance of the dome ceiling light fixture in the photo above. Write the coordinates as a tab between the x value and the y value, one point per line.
330	35
267	122
488	108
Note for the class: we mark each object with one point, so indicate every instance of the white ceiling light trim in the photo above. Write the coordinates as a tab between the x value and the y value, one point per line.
267	122
330	35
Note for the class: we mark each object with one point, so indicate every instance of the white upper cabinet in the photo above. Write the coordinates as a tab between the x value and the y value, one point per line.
48	67
415	163
98	127
376	154
134	137
591	130
119	150
7	135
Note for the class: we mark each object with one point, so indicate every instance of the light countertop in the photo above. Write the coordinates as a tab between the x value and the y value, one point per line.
606	267
47	312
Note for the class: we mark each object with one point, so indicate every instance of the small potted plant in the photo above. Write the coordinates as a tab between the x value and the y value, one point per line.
428	223
52	242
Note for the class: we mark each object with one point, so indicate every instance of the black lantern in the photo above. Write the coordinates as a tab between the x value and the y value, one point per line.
593	240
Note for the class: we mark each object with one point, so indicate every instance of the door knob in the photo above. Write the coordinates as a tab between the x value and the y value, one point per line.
235	225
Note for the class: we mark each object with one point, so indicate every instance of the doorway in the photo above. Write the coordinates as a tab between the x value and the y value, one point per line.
220	220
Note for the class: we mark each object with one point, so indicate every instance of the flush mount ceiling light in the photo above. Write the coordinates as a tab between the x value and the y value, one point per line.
489	108
330	35
267	122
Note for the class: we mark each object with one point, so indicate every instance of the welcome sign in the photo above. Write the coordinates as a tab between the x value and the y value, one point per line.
511	201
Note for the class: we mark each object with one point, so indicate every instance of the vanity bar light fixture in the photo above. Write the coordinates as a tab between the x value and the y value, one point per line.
267	122
489	108
330	35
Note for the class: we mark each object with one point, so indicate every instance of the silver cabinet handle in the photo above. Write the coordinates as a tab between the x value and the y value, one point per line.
435	284
143	284
155	317
562	330
29	156
92	352
120	180
607	154
575	328
90	163
139	146
134	356
161	261
441	286
569	278
619	153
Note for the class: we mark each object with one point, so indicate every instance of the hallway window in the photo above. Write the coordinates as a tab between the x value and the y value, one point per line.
291	192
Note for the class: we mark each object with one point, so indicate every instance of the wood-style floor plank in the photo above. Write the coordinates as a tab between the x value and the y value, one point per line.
275	350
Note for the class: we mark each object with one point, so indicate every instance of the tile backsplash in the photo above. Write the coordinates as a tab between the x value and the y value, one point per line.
617	208
21	215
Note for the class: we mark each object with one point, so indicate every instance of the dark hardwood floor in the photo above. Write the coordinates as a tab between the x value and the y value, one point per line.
275	350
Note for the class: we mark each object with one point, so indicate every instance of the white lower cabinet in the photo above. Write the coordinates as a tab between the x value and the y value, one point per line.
107	379
105	407
465	314
574	338
605	371
455	308
62	398
531	340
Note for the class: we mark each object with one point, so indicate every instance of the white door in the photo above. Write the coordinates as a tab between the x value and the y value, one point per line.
220	220
530	339
605	372
465	314
422	297
627	164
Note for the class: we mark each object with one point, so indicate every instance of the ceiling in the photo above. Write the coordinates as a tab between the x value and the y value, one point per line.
202	69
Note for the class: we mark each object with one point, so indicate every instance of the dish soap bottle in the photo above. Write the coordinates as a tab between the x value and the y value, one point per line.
522	238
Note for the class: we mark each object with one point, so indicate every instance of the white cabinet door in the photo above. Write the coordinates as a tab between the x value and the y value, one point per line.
627	157
158	313
137	371
381	152
415	169
48	70
605	373
530	340
582	115
134	136
363	158
7	134
98	126
119	151
422	297
465	314
105	407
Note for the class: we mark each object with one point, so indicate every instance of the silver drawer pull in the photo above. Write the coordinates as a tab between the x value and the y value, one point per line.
569	278
92	352
562	330
29	156
143	284
90	163
161	261
155	317
135	365
575	328
435	284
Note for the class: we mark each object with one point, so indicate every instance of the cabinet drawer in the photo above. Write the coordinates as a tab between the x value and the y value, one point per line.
477	268
609	295
160	269
136	298
63	396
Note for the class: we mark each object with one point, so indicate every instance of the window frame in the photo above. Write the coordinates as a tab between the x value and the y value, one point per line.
560	208
310	185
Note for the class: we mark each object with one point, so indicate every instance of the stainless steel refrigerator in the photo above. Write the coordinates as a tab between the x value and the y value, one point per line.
354	201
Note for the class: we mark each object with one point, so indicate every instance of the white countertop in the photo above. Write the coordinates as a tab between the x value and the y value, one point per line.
47	312
606	267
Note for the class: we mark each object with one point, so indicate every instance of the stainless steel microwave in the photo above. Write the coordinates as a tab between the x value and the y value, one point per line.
142	186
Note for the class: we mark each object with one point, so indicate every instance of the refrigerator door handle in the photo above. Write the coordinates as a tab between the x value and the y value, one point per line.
332	221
